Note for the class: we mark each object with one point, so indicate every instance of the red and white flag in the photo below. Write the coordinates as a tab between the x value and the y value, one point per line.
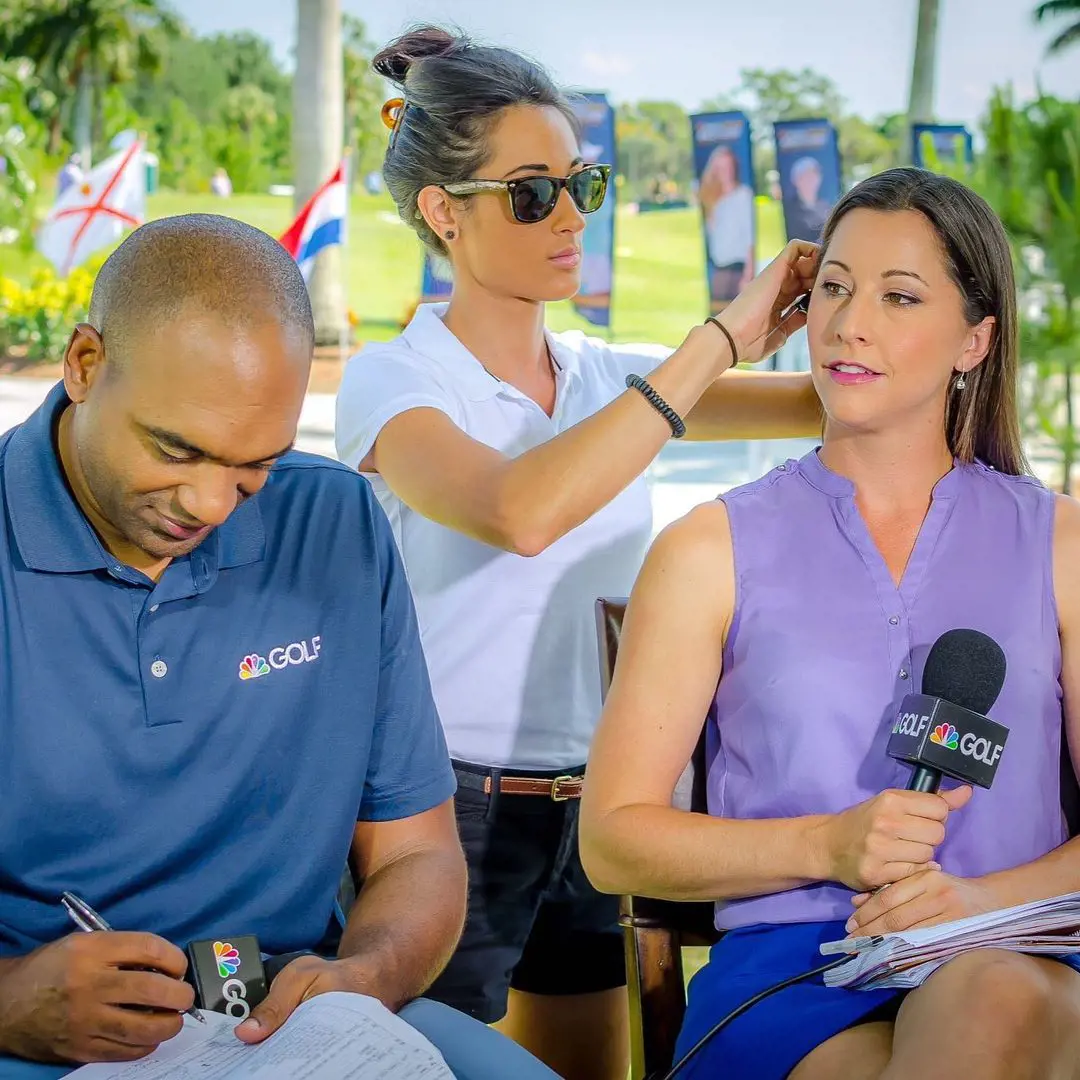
319	224
94	213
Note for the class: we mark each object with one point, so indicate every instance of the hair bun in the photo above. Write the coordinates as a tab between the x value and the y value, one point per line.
393	61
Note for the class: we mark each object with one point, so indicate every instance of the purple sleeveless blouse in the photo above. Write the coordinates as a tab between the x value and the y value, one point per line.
823	647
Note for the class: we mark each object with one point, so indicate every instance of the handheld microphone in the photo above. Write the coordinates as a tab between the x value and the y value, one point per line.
944	730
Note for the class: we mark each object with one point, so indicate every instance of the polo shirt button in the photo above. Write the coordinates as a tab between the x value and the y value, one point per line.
159	669
893	619
154	607
903	673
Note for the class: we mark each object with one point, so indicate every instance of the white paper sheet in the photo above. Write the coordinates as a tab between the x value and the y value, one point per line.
330	1037
1045	927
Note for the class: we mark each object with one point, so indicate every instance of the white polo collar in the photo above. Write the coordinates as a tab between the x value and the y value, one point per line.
428	335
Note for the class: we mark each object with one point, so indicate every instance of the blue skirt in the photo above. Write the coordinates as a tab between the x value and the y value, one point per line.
770	1039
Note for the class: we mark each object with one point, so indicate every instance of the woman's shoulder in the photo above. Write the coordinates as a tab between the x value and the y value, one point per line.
703	533
596	358
1023	490
394	366
1067	526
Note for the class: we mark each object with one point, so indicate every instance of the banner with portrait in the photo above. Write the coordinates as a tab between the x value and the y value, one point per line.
724	167
438	280
808	161
593	301
949	144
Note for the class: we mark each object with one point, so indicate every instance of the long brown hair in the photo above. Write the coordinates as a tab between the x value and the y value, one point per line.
982	420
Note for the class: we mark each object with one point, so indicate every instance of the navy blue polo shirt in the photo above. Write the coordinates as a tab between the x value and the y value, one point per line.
191	756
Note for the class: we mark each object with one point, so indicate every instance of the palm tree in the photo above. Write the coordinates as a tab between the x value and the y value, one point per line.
921	99
318	129
85	43
1061	9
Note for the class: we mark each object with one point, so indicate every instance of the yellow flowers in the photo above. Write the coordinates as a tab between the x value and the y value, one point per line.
37	318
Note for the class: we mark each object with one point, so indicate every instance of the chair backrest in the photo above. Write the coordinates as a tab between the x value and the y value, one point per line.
690	791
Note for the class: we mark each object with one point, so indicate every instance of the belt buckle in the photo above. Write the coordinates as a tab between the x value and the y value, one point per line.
565	779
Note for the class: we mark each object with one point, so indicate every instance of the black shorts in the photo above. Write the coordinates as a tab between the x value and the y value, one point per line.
535	923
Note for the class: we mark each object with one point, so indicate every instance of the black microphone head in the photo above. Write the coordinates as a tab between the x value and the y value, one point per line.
967	668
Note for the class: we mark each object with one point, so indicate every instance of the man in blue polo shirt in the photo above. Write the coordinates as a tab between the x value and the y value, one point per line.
212	691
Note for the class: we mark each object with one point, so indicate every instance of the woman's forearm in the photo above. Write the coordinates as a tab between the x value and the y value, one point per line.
556	486
1055	873
757	405
676	855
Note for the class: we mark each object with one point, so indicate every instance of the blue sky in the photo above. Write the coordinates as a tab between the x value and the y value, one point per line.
642	49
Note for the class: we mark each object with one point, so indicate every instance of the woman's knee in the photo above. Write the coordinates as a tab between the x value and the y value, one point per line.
1009	998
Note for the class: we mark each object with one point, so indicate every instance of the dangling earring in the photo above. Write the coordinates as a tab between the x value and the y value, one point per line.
962	381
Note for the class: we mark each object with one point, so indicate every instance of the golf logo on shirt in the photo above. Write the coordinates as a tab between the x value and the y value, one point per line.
228	959
254	665
251	667
945	735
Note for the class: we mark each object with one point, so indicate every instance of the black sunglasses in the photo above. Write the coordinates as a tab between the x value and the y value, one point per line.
533	198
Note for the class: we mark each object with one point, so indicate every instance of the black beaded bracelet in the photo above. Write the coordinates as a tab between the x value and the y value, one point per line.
636	382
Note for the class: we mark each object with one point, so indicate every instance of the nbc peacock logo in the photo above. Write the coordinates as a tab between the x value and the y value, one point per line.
945	735
251	667
228	959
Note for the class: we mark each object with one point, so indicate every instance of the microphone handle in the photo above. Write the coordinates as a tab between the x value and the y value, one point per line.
924	779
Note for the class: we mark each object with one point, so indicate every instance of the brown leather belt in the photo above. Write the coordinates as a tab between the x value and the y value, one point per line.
556	788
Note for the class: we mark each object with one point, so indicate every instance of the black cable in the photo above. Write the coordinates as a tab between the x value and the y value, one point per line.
739	1010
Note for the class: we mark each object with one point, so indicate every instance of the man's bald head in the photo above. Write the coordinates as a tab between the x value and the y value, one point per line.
188	385
198	263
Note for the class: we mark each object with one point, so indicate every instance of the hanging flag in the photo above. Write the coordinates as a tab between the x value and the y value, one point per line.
319	224
723	162
94	213
949	144
593	301
808	161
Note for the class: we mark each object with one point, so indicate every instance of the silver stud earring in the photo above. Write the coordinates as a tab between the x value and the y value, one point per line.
961	382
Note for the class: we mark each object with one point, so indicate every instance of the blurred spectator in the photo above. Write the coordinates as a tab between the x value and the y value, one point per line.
220	184
70	174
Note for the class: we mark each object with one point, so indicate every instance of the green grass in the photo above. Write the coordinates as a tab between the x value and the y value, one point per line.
660	288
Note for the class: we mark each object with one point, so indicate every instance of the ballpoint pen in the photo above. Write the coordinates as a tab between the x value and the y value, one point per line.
87	919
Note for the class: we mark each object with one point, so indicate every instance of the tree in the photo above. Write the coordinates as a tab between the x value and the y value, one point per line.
767	96
318	127
20	137
924	64
86	44
231	86
1030	174
653	144
365	134
1052	10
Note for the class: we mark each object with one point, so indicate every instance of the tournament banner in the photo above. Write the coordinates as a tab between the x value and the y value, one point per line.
948	143
808	161
593	301
438	281
723	164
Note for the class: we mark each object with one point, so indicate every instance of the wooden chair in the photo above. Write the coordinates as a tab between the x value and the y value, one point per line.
655	931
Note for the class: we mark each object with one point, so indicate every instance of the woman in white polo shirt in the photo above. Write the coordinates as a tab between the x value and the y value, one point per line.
509	461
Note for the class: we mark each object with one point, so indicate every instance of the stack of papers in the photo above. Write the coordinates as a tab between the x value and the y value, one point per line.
333	1036
902	961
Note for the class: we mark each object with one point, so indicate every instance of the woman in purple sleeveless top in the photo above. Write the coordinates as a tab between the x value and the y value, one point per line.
797	612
